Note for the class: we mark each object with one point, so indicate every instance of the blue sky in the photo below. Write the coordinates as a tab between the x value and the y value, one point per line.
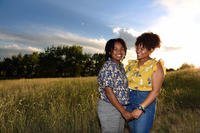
90	18
33	25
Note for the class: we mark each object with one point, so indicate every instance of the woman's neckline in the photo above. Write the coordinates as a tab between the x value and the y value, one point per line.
143	63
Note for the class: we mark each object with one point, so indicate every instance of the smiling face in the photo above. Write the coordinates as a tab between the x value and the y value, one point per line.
142	52
118	52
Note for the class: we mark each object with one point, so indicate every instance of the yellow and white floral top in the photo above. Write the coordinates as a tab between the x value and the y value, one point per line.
141	78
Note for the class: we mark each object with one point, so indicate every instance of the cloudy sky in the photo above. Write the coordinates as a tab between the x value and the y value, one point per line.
33	25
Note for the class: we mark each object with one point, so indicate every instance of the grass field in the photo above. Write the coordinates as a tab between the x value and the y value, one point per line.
68	105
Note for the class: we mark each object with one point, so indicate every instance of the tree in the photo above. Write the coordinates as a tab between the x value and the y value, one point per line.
8	68
30	62
60	61
98	60
186	66
170	69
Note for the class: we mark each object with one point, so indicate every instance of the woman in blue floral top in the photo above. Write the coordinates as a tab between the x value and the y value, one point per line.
113	88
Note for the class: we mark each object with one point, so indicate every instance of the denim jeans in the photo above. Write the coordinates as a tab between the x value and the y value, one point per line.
145	122
110	118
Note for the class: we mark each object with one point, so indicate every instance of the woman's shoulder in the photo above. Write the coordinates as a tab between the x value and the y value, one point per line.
152	62
108	65
157	61
159	64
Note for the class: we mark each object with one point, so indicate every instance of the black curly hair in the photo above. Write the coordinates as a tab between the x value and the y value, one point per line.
110	46
148	40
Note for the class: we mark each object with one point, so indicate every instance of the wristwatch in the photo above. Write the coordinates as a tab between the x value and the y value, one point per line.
141	108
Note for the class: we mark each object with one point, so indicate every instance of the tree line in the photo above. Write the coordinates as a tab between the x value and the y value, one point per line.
60	61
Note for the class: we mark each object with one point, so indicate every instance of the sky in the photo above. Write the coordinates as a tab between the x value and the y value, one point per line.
28	26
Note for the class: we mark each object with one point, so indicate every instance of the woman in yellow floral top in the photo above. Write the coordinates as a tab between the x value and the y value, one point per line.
145	78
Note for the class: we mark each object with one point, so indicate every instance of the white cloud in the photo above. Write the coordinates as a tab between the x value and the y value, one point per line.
92	45
34	49
130	55
169	49
119	30
179	28
12	46
15	49
28	42
128	34
180	25
19	48
92	50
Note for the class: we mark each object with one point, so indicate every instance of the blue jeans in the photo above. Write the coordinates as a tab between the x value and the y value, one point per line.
145	122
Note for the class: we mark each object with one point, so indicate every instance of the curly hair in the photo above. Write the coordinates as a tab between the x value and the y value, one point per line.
148	40
110	46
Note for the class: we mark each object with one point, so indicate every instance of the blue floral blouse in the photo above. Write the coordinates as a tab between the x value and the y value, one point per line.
113	75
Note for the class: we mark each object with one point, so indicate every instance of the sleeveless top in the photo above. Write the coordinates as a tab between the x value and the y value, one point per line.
141	78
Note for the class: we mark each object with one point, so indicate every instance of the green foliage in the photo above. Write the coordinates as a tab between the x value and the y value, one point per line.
60	61
186	66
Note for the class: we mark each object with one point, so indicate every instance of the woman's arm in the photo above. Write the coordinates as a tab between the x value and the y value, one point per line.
114	101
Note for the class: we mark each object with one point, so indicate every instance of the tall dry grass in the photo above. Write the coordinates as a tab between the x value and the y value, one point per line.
68	105
178	108
48	105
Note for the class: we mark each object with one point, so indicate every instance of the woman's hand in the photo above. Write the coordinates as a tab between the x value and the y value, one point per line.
127	115
136	113
113	100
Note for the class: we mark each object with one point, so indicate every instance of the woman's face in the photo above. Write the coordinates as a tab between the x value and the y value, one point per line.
142	52
118	52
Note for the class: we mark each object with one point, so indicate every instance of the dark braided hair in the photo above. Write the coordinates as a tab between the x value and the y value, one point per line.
110	46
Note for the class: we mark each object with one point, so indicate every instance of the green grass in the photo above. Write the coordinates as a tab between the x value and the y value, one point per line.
69	105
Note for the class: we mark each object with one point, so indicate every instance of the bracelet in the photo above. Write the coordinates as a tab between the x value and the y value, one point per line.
141	108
